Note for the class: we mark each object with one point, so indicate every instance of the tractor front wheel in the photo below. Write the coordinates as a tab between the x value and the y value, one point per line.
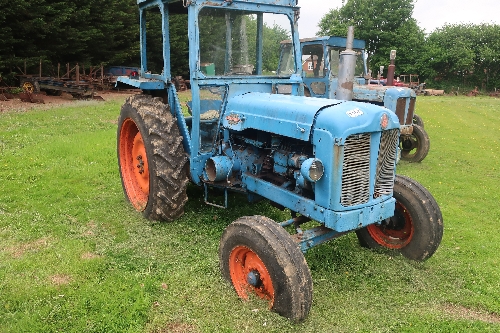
257	255
151	158
416	228
417	120
415	146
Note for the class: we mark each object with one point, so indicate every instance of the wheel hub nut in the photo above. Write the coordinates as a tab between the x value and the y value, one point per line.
140	166
253	278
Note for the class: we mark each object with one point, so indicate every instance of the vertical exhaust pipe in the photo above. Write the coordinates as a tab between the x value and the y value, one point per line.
391	69
347	66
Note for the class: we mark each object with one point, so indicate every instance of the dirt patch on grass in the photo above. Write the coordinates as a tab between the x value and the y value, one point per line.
60	279
89	255
17	251
16	105
461	312
90	230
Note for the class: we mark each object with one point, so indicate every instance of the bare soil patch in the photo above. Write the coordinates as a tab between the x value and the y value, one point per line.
19	250
60	279
89	255
16	105
90	229
461	312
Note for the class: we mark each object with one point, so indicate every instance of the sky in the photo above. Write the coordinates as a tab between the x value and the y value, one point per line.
430	14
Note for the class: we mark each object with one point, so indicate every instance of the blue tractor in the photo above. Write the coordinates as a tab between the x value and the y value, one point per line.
320	71
328	162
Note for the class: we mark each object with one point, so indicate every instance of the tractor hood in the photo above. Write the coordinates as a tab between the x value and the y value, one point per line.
297	116
290	116
379	93
348	118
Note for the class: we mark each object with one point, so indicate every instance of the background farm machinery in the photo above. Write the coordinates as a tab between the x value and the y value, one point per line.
77	81
320	71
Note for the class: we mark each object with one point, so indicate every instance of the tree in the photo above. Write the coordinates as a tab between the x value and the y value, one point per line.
272	37
384	25
95	32
464	55
89	32
179	47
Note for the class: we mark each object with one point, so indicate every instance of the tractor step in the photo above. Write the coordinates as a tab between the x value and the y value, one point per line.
212	203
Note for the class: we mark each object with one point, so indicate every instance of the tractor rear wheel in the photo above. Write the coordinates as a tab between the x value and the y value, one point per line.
151	158
257	255
415	146
415	230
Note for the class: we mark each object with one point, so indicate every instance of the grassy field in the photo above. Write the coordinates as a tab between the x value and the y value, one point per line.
75	257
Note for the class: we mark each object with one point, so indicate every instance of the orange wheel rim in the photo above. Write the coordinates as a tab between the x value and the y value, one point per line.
398	234
134	166
28	86
249	274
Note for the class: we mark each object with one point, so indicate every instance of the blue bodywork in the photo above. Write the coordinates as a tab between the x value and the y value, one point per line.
257	141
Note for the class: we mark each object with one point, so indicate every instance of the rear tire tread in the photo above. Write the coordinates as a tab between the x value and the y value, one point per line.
168	177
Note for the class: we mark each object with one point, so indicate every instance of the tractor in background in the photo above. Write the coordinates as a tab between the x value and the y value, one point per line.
320	71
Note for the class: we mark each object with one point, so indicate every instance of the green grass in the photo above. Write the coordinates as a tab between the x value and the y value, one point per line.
75	257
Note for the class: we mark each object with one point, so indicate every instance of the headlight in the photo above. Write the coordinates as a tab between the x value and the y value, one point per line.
312	169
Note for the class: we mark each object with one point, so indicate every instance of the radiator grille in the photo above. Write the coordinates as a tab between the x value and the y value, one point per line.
411	111
356	170
384	181
401	109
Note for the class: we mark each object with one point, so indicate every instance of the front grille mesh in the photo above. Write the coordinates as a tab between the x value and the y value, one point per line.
401	109
356	167
411	111
384	181
356	170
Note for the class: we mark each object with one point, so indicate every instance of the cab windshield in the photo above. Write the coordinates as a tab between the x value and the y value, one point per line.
335	59
287	61
229	42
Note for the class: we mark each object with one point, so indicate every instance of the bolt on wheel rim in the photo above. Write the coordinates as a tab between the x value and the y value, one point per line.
394	236
141	169
134	164
249	274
